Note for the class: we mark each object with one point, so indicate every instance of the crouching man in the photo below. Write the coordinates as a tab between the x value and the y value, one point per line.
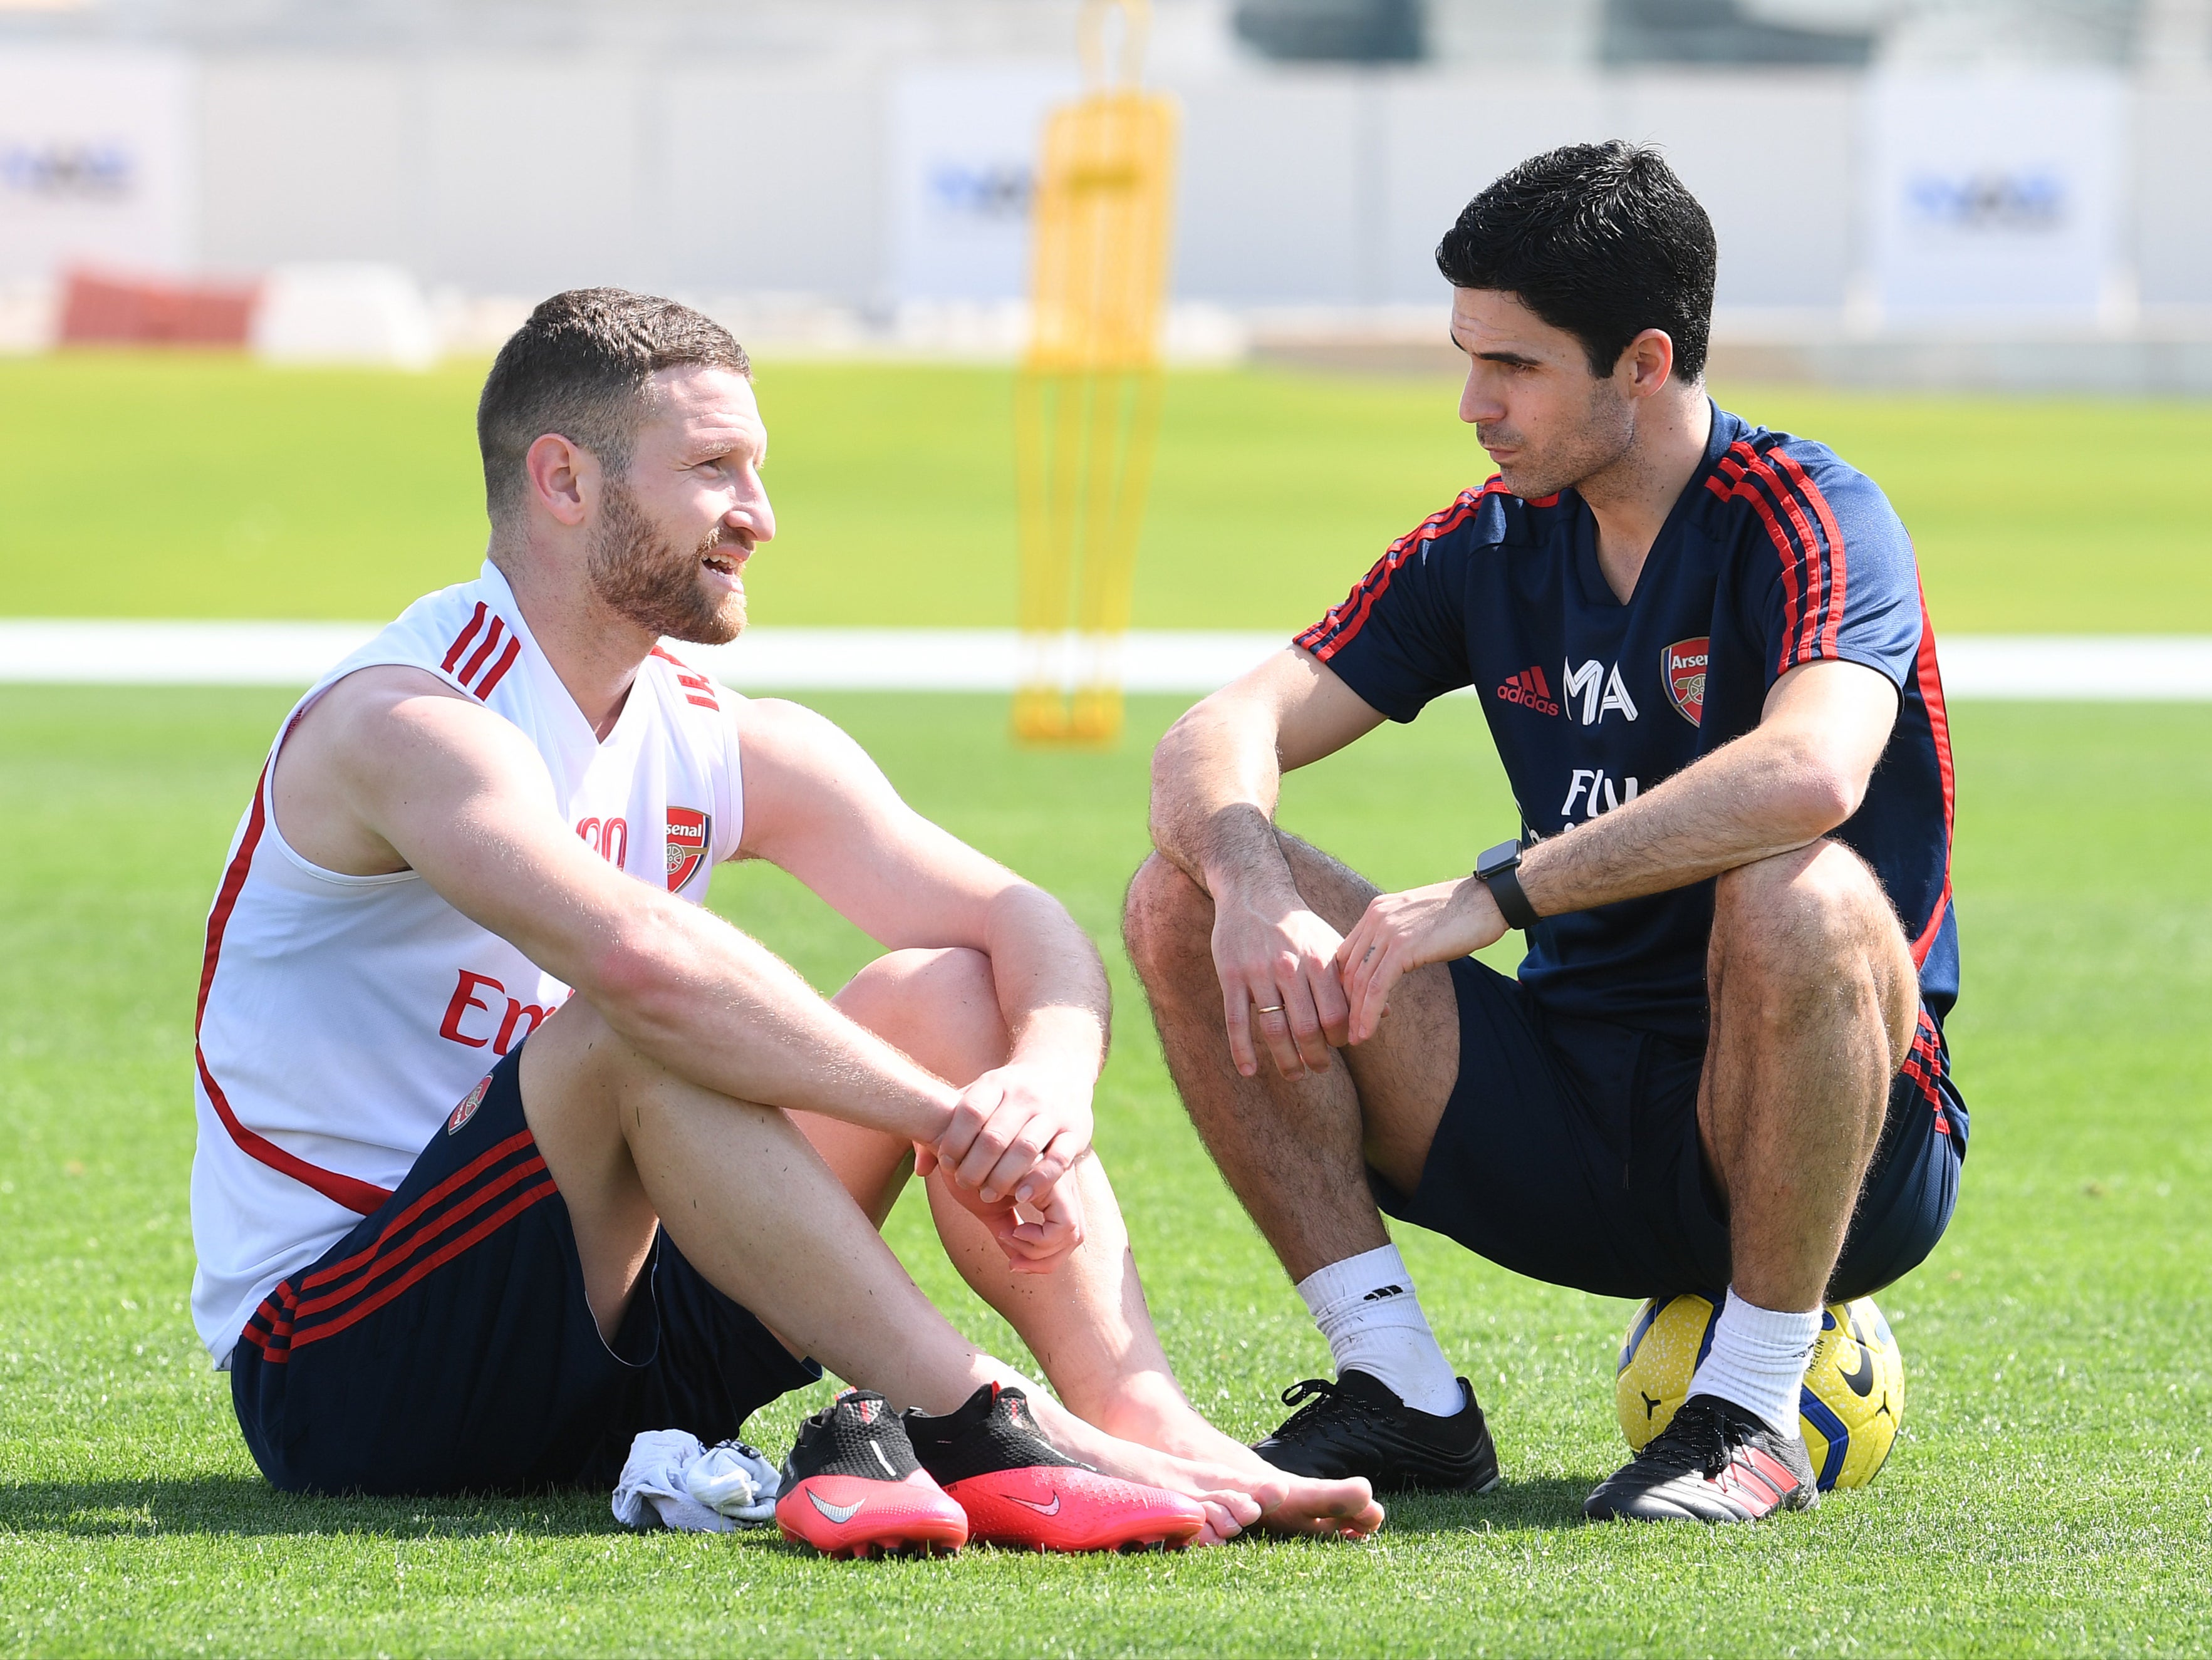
1703	657
508	1147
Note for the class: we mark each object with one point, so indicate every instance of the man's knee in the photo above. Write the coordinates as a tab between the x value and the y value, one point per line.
899	979
1813	918
1816	903
1166	919
576	1056
940	1005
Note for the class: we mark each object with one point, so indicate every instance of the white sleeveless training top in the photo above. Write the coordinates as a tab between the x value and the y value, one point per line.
341	1019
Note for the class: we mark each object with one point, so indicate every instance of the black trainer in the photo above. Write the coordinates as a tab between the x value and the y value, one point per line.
1359	1426
1715	1462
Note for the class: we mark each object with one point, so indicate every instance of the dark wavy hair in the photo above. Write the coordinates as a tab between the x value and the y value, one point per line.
1601	241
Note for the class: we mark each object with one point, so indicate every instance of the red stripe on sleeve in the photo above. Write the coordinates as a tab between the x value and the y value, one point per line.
1811	493
1342	623
492	637
1930	680
499	669
1746	491
1816	586
461	643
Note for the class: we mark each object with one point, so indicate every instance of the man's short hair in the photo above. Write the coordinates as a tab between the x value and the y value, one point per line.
580	367
1601	241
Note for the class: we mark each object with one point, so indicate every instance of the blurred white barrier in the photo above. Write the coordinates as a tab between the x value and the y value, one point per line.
122	653
2055	668
345	313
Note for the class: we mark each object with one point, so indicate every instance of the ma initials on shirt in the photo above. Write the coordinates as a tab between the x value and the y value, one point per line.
464	998
1600	689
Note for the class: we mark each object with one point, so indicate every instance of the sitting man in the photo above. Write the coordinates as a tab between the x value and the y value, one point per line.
656	1194
1702	656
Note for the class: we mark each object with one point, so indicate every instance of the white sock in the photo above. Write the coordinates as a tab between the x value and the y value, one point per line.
1366	1307
1758	1361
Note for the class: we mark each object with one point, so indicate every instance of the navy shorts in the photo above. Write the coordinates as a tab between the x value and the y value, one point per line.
445	1344
1568	1152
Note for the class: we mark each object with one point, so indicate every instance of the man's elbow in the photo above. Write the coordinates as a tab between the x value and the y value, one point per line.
633	979
1822	795
1170	754
1171	764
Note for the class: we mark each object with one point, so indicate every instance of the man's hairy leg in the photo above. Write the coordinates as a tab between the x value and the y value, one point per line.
1296	1151
1814	997
746	1197
756	1210
1087	1322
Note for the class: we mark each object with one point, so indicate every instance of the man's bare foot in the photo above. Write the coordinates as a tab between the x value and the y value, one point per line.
1236	1486
1173	1426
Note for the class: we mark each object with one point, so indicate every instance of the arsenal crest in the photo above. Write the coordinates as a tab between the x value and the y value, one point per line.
690	833
1682	671
467	1109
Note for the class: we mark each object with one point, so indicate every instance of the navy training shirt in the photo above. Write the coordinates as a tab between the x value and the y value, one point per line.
1775	554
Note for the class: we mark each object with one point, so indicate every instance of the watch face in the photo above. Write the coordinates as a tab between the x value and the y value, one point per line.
1504	856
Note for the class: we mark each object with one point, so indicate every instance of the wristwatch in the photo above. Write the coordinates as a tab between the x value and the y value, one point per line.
1496	870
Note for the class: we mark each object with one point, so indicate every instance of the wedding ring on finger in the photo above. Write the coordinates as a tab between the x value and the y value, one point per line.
1272	1008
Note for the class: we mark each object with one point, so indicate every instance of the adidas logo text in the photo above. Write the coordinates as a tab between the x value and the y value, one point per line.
1531	690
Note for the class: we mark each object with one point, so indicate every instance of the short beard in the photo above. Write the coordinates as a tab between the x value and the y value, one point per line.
649	582
1607	433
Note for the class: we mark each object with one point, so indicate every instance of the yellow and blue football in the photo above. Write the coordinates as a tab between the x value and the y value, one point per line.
1849	1410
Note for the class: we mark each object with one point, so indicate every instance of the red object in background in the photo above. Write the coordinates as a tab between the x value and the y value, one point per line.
129	311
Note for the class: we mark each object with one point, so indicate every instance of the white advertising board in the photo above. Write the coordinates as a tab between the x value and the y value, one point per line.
1996	195
964	144
96	162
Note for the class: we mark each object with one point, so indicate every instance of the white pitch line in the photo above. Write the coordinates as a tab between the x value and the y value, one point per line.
2057	668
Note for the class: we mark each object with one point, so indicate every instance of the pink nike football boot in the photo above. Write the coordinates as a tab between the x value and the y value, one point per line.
852	1486
1023	1492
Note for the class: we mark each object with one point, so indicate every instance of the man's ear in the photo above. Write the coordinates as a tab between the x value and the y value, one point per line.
1648	364
564	477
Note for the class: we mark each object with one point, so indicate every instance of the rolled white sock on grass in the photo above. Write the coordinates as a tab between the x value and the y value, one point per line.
1758	1361
1366	1307
670	1480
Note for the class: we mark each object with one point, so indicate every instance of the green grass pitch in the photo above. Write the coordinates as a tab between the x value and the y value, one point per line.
2050	1493
206	487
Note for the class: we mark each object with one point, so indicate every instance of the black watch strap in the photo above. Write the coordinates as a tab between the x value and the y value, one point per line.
1499	871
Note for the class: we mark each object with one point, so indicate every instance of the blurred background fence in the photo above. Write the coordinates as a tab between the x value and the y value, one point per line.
1996	193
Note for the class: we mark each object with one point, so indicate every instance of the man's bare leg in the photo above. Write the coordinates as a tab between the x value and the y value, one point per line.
1087	1322
1814	997
756	1210
1296	1151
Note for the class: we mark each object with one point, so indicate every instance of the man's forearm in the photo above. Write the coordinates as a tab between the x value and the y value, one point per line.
716	1007
1765	794
1214	788
1051	983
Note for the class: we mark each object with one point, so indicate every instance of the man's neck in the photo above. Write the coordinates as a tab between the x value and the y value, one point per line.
596	652
1631	498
